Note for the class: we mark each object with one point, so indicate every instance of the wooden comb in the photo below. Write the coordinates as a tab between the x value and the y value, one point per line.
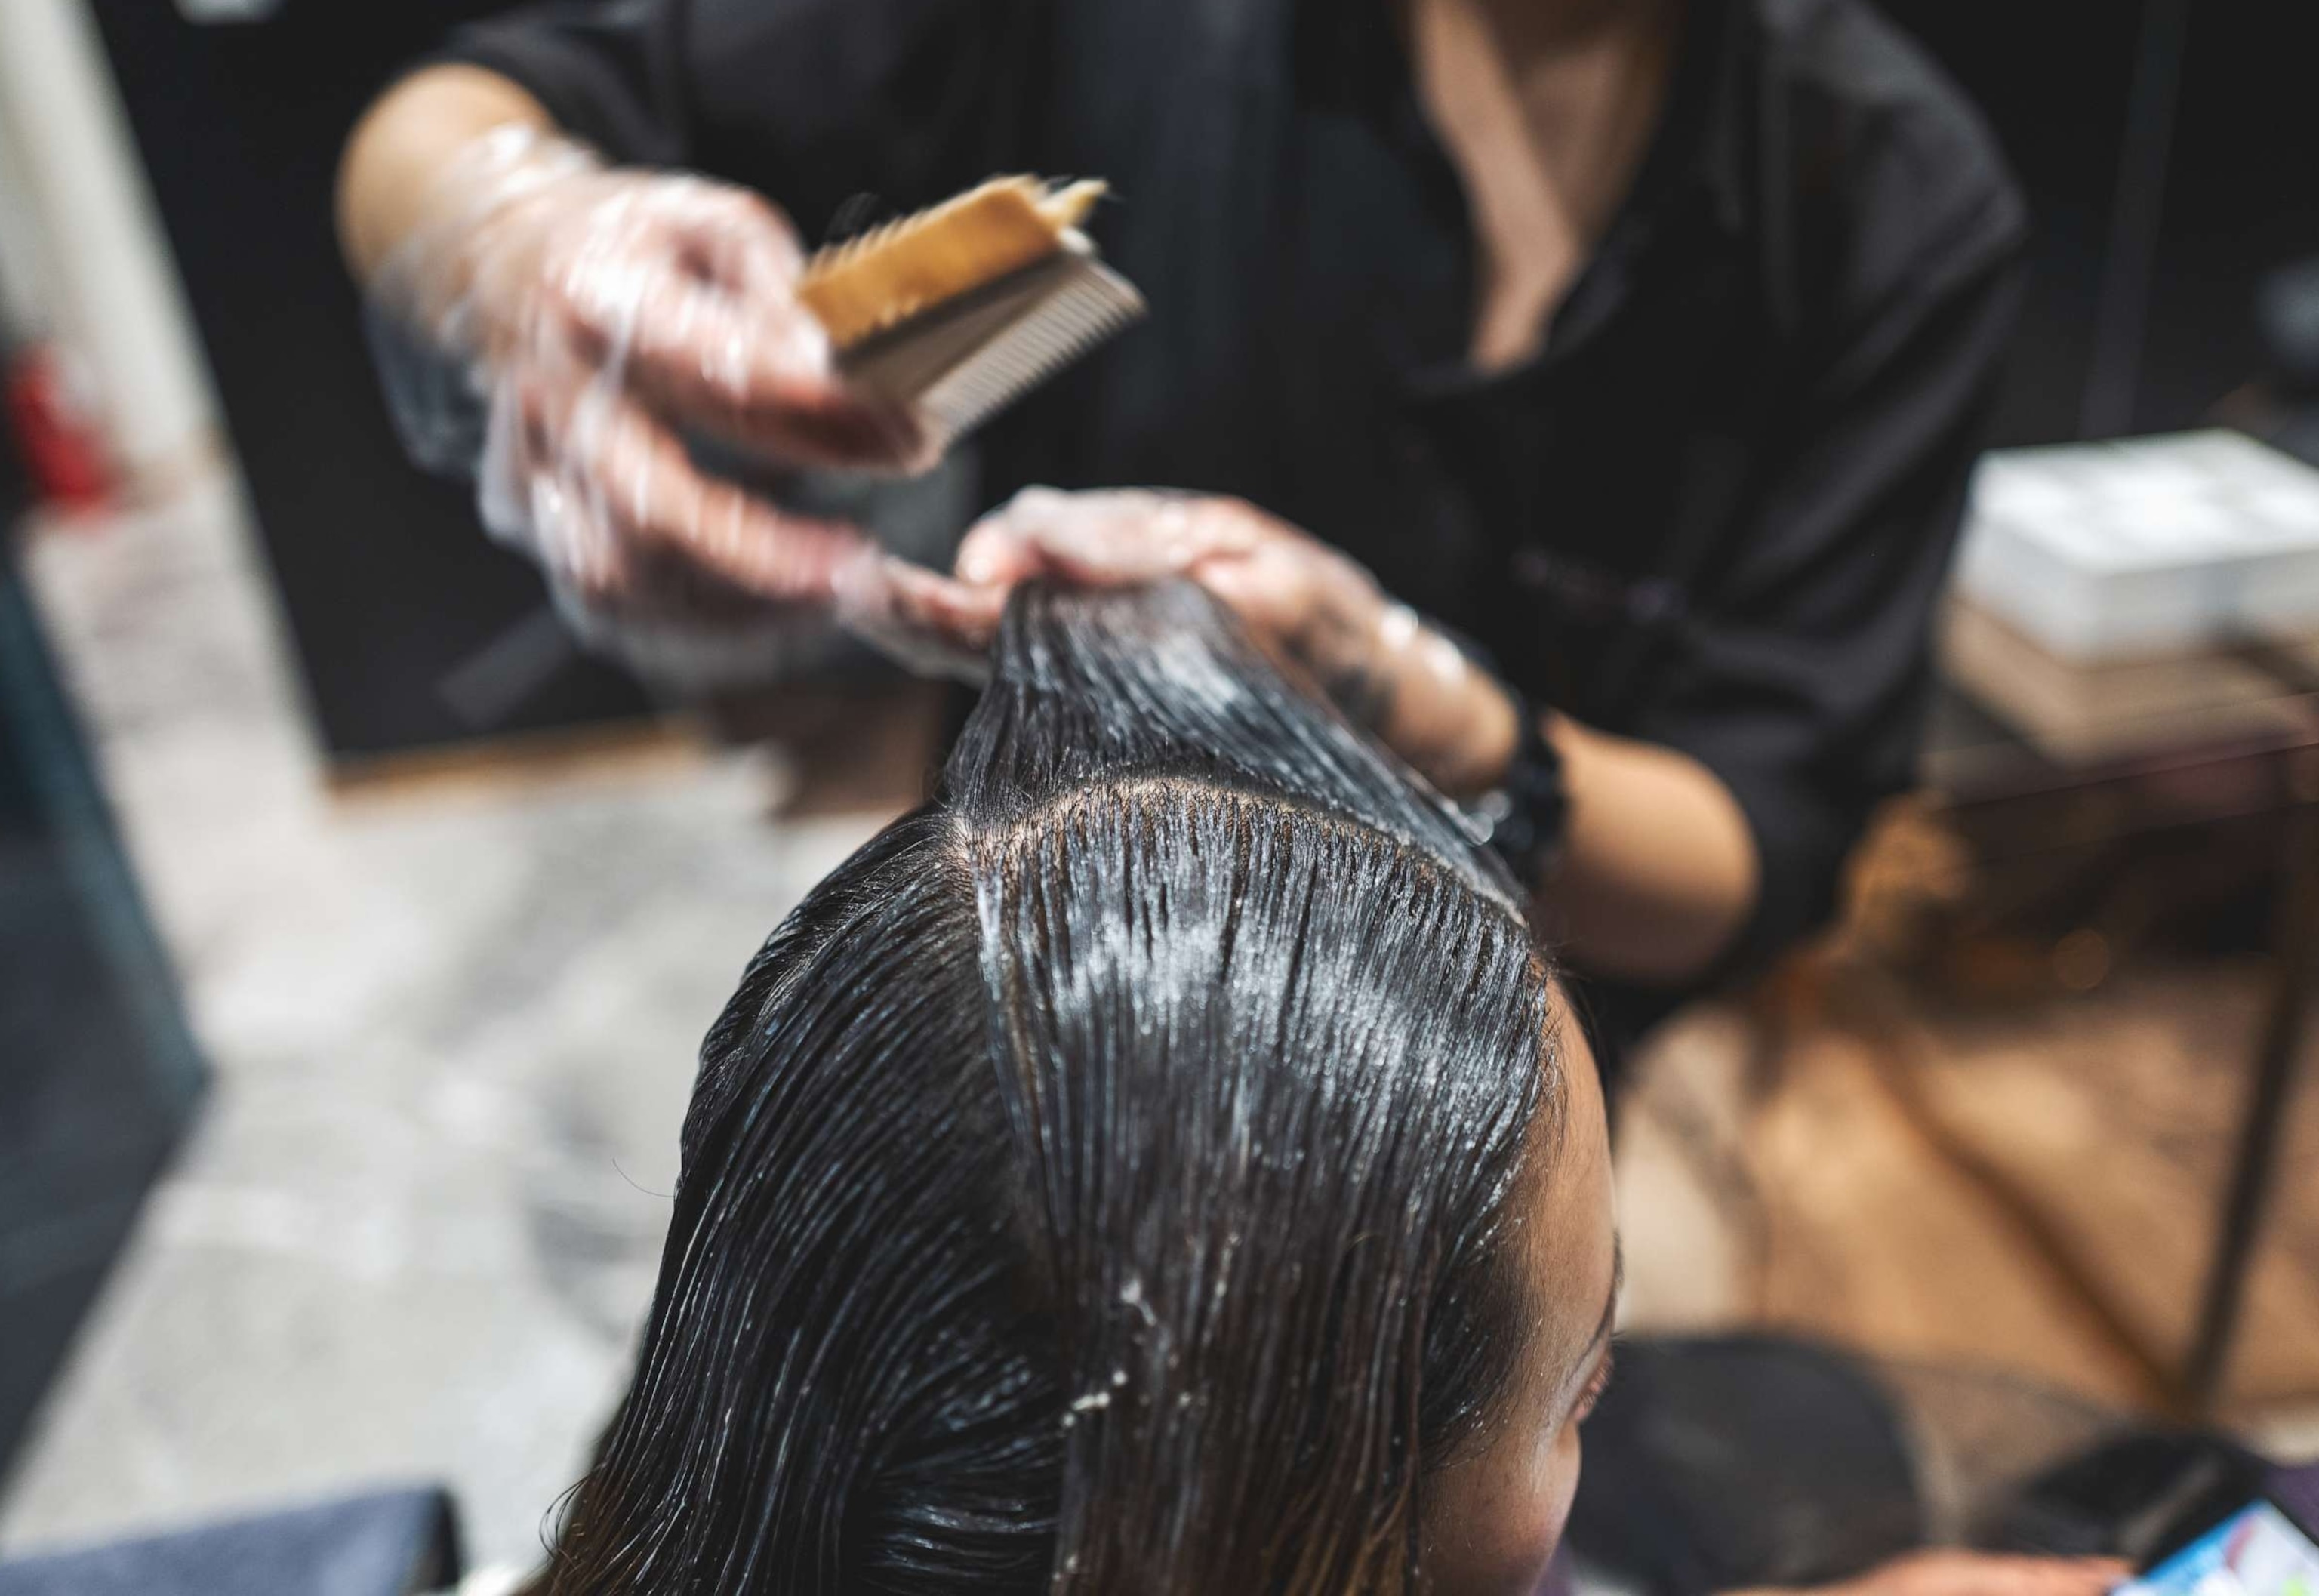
958	310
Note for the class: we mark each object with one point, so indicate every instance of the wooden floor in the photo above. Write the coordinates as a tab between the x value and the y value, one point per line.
2030	1185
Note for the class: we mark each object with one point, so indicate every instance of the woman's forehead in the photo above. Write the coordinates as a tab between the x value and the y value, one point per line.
1568	1215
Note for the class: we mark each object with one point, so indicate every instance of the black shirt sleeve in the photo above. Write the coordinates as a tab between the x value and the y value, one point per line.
610	73
814	102
1804	682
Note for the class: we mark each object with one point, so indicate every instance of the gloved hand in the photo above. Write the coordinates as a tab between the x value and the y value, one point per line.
603	315
1308	604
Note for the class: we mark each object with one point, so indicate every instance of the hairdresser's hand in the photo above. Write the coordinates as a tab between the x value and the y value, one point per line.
1300	598
1303	600
607	313
1949	1573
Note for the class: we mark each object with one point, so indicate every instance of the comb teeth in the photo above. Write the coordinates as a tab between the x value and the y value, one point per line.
1092	306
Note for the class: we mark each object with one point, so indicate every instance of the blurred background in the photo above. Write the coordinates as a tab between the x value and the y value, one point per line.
357	932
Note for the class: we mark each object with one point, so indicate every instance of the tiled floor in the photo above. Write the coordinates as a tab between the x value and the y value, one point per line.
2030	1188
452	1033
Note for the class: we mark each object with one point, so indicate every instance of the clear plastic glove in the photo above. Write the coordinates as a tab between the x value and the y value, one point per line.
1304	601
603	316
1307	603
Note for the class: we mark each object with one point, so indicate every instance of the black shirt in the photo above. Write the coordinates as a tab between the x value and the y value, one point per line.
1713	514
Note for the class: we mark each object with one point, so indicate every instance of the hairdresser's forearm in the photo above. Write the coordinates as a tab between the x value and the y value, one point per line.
1659	870
1453	723
400	149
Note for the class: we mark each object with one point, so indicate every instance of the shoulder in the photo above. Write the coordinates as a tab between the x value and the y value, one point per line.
1885	155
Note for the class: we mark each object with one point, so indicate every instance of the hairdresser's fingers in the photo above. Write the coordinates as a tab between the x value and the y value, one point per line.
662	503
1302	599
627	483
995	557
1310	603
1103	538
689	290
759	375
1272	590
1287	587
1136	536
881	593
1021	539
929	603
926	621
738	238
527	492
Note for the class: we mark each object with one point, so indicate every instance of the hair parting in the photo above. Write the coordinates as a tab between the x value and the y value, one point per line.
1099	1183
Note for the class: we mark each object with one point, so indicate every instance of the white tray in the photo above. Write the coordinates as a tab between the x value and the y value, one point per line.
2144	546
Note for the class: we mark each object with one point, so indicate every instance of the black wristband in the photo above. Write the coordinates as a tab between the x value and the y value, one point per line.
1525	818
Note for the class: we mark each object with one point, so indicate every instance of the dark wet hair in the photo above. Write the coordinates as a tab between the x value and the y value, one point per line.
1100	1183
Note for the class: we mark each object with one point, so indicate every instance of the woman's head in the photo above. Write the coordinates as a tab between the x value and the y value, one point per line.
1155	1166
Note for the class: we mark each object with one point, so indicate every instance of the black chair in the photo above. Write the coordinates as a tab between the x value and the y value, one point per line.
392	1543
